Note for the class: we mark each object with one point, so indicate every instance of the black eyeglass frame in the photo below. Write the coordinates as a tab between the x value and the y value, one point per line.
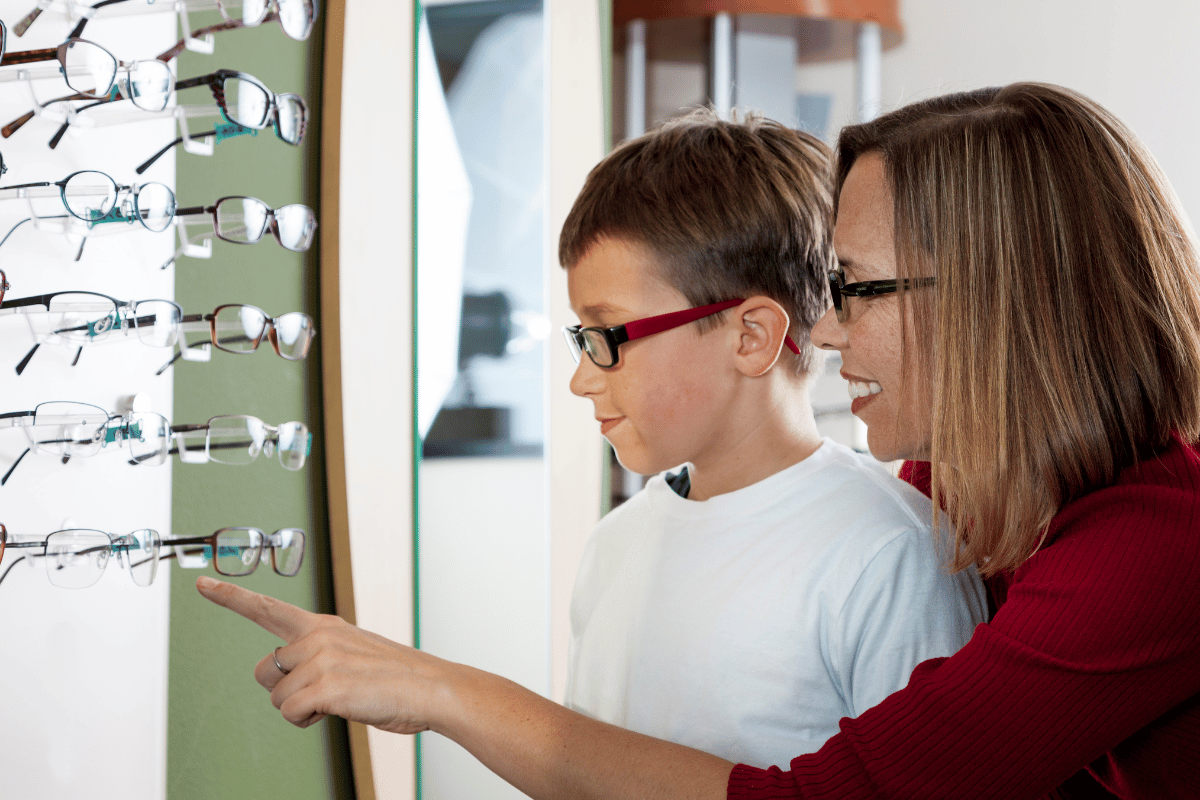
838	289
123	323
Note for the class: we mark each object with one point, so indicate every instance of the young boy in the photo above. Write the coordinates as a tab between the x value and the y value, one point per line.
778	582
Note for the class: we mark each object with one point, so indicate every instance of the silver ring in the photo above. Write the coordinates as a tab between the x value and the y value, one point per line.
275	658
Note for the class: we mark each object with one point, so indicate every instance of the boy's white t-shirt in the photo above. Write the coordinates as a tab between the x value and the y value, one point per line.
749	624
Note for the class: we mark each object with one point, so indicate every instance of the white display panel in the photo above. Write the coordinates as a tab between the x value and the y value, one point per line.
84	671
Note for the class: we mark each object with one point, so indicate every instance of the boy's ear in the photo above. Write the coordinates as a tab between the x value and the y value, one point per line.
762	325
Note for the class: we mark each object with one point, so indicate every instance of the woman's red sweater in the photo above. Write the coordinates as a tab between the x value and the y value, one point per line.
1091	659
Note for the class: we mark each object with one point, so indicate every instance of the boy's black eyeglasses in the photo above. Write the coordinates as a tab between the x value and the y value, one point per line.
839	289
602	344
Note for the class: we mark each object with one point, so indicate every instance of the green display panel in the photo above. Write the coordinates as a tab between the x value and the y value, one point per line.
225	740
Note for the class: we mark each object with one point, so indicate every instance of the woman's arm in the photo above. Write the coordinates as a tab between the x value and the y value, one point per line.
540	747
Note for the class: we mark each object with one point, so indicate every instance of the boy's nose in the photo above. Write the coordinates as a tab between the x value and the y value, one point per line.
588	379
828	333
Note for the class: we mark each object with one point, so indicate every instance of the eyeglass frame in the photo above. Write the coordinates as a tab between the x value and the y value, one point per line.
234	24
25	22
4	285
112	434
268	447
117	543
211	542
229	130
618	335
272	225
59	54
269	330
838	289
215	81
118	189
269	323
44	299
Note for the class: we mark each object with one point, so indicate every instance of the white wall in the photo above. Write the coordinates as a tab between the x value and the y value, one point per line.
1140	60
83	703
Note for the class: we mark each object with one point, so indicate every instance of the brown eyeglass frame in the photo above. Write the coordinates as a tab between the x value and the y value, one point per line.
4	286
268	330
211	542
272	226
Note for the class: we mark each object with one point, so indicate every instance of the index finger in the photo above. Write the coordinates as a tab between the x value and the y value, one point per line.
282	619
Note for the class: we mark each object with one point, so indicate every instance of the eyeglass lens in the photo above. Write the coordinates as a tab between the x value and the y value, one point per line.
295	16
596	345
154	204
149	84
592	342
89	195
67	429
242	219
75	559
240	328
148	436
89	68
287	551
139	551
83	317
238	550
246	102
835	290
240	440
290	119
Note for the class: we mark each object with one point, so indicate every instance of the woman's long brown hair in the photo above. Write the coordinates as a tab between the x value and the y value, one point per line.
1062	343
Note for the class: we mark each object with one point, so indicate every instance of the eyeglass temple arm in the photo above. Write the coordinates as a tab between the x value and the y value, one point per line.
145	165
15	125
29	56
112	98
62	129
179	352
24	362
665	322
186	540
179	47
78	30
29	185
18	123
221	132
8	474
27	20
10	566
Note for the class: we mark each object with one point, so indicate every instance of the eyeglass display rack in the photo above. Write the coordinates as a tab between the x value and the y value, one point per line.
91	664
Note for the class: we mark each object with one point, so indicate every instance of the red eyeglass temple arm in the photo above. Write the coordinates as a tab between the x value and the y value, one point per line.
665	322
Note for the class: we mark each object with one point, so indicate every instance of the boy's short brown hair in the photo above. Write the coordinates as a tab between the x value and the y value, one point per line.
728	209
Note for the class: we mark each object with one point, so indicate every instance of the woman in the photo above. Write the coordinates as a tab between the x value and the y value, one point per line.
1042	354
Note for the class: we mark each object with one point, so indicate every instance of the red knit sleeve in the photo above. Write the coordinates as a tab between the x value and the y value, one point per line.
1094	659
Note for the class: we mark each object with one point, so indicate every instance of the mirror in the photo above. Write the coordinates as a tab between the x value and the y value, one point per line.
482	328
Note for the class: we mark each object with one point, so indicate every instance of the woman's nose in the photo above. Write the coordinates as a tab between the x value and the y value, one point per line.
828	333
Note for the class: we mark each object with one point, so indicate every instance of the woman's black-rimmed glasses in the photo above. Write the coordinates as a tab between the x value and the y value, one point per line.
839	289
